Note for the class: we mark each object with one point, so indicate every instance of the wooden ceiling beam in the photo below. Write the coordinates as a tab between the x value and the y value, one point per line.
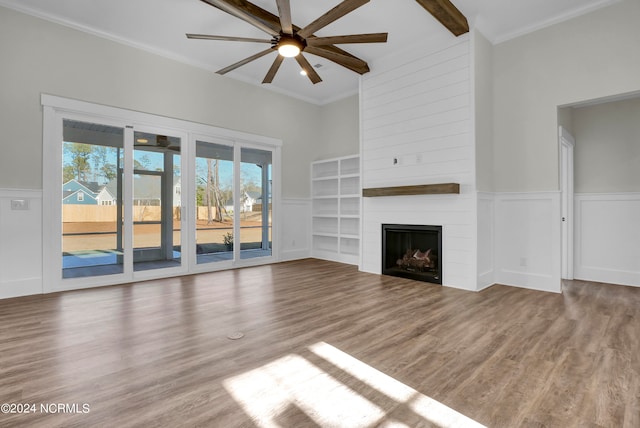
448	15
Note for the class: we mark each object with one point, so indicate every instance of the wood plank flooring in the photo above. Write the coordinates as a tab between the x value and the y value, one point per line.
324	345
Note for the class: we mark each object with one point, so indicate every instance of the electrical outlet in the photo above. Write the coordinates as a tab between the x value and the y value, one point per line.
19	204
523	261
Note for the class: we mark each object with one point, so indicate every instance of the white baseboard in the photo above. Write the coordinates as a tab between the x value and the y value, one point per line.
486	279
289	255
531	281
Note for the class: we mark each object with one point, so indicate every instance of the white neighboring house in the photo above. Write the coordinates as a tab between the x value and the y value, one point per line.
105	197
246	202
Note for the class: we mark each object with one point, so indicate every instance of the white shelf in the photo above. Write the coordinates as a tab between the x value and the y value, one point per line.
336	190
331	177
328	235
325	169
350	166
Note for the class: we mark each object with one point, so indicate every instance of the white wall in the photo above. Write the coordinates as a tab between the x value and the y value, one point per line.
588	57
340	130
607	200
20	243
417	108
483	124
607	153
607	238
296	229
43	57
527	240
483	110
592	56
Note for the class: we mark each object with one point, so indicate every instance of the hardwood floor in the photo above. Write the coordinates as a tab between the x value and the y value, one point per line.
323	345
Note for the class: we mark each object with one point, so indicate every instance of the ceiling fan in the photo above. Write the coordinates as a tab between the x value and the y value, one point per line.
290	41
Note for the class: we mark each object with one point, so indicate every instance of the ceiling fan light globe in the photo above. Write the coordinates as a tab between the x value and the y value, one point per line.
288	50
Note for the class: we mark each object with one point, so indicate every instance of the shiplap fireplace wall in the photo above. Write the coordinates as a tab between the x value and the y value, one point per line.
417	128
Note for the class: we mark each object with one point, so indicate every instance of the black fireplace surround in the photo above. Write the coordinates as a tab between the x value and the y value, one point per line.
412	251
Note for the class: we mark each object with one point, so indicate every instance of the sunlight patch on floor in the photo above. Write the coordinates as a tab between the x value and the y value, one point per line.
292	387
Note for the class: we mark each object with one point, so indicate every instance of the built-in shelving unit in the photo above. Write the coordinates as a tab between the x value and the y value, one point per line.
335	190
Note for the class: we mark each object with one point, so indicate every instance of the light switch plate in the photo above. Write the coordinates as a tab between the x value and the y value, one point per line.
19	204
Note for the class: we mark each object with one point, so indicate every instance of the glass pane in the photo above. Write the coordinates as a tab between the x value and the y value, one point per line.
156	201
214	202
91	199
255	199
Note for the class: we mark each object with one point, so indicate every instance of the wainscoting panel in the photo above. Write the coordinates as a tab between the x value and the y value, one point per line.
296	229
486	241
607	238
20	242
527	240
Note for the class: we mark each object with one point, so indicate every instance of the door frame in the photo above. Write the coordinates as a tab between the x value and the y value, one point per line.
566	147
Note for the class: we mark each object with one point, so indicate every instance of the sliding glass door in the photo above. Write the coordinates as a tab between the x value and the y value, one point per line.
95	210
91	199
255	209
214	214
233	202
156	201
130	196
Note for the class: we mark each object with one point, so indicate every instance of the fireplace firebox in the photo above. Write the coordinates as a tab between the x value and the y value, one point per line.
412	251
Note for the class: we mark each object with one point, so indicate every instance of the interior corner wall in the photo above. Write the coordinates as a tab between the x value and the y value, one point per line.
588	57
592	56
483	111
607	198
607	153
339	129
39	56
483	95
565	118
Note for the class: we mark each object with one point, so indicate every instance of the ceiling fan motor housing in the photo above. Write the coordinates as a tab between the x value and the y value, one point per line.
287	39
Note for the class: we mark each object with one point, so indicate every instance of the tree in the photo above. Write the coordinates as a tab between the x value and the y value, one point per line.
213	195
68	173
109	171
80	155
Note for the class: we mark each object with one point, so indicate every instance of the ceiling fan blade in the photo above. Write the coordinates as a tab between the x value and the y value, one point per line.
336	13
352	38
350	62
244	61
284	9
448	15
273	70
311	72
233	9
226	38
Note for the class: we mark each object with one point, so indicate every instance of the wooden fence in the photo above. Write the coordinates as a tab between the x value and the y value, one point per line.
107	213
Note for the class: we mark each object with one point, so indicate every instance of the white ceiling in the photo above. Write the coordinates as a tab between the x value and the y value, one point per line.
159	26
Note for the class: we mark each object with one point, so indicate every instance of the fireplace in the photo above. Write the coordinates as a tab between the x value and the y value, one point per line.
412	251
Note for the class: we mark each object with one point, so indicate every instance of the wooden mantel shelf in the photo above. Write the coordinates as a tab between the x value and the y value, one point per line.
422	189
